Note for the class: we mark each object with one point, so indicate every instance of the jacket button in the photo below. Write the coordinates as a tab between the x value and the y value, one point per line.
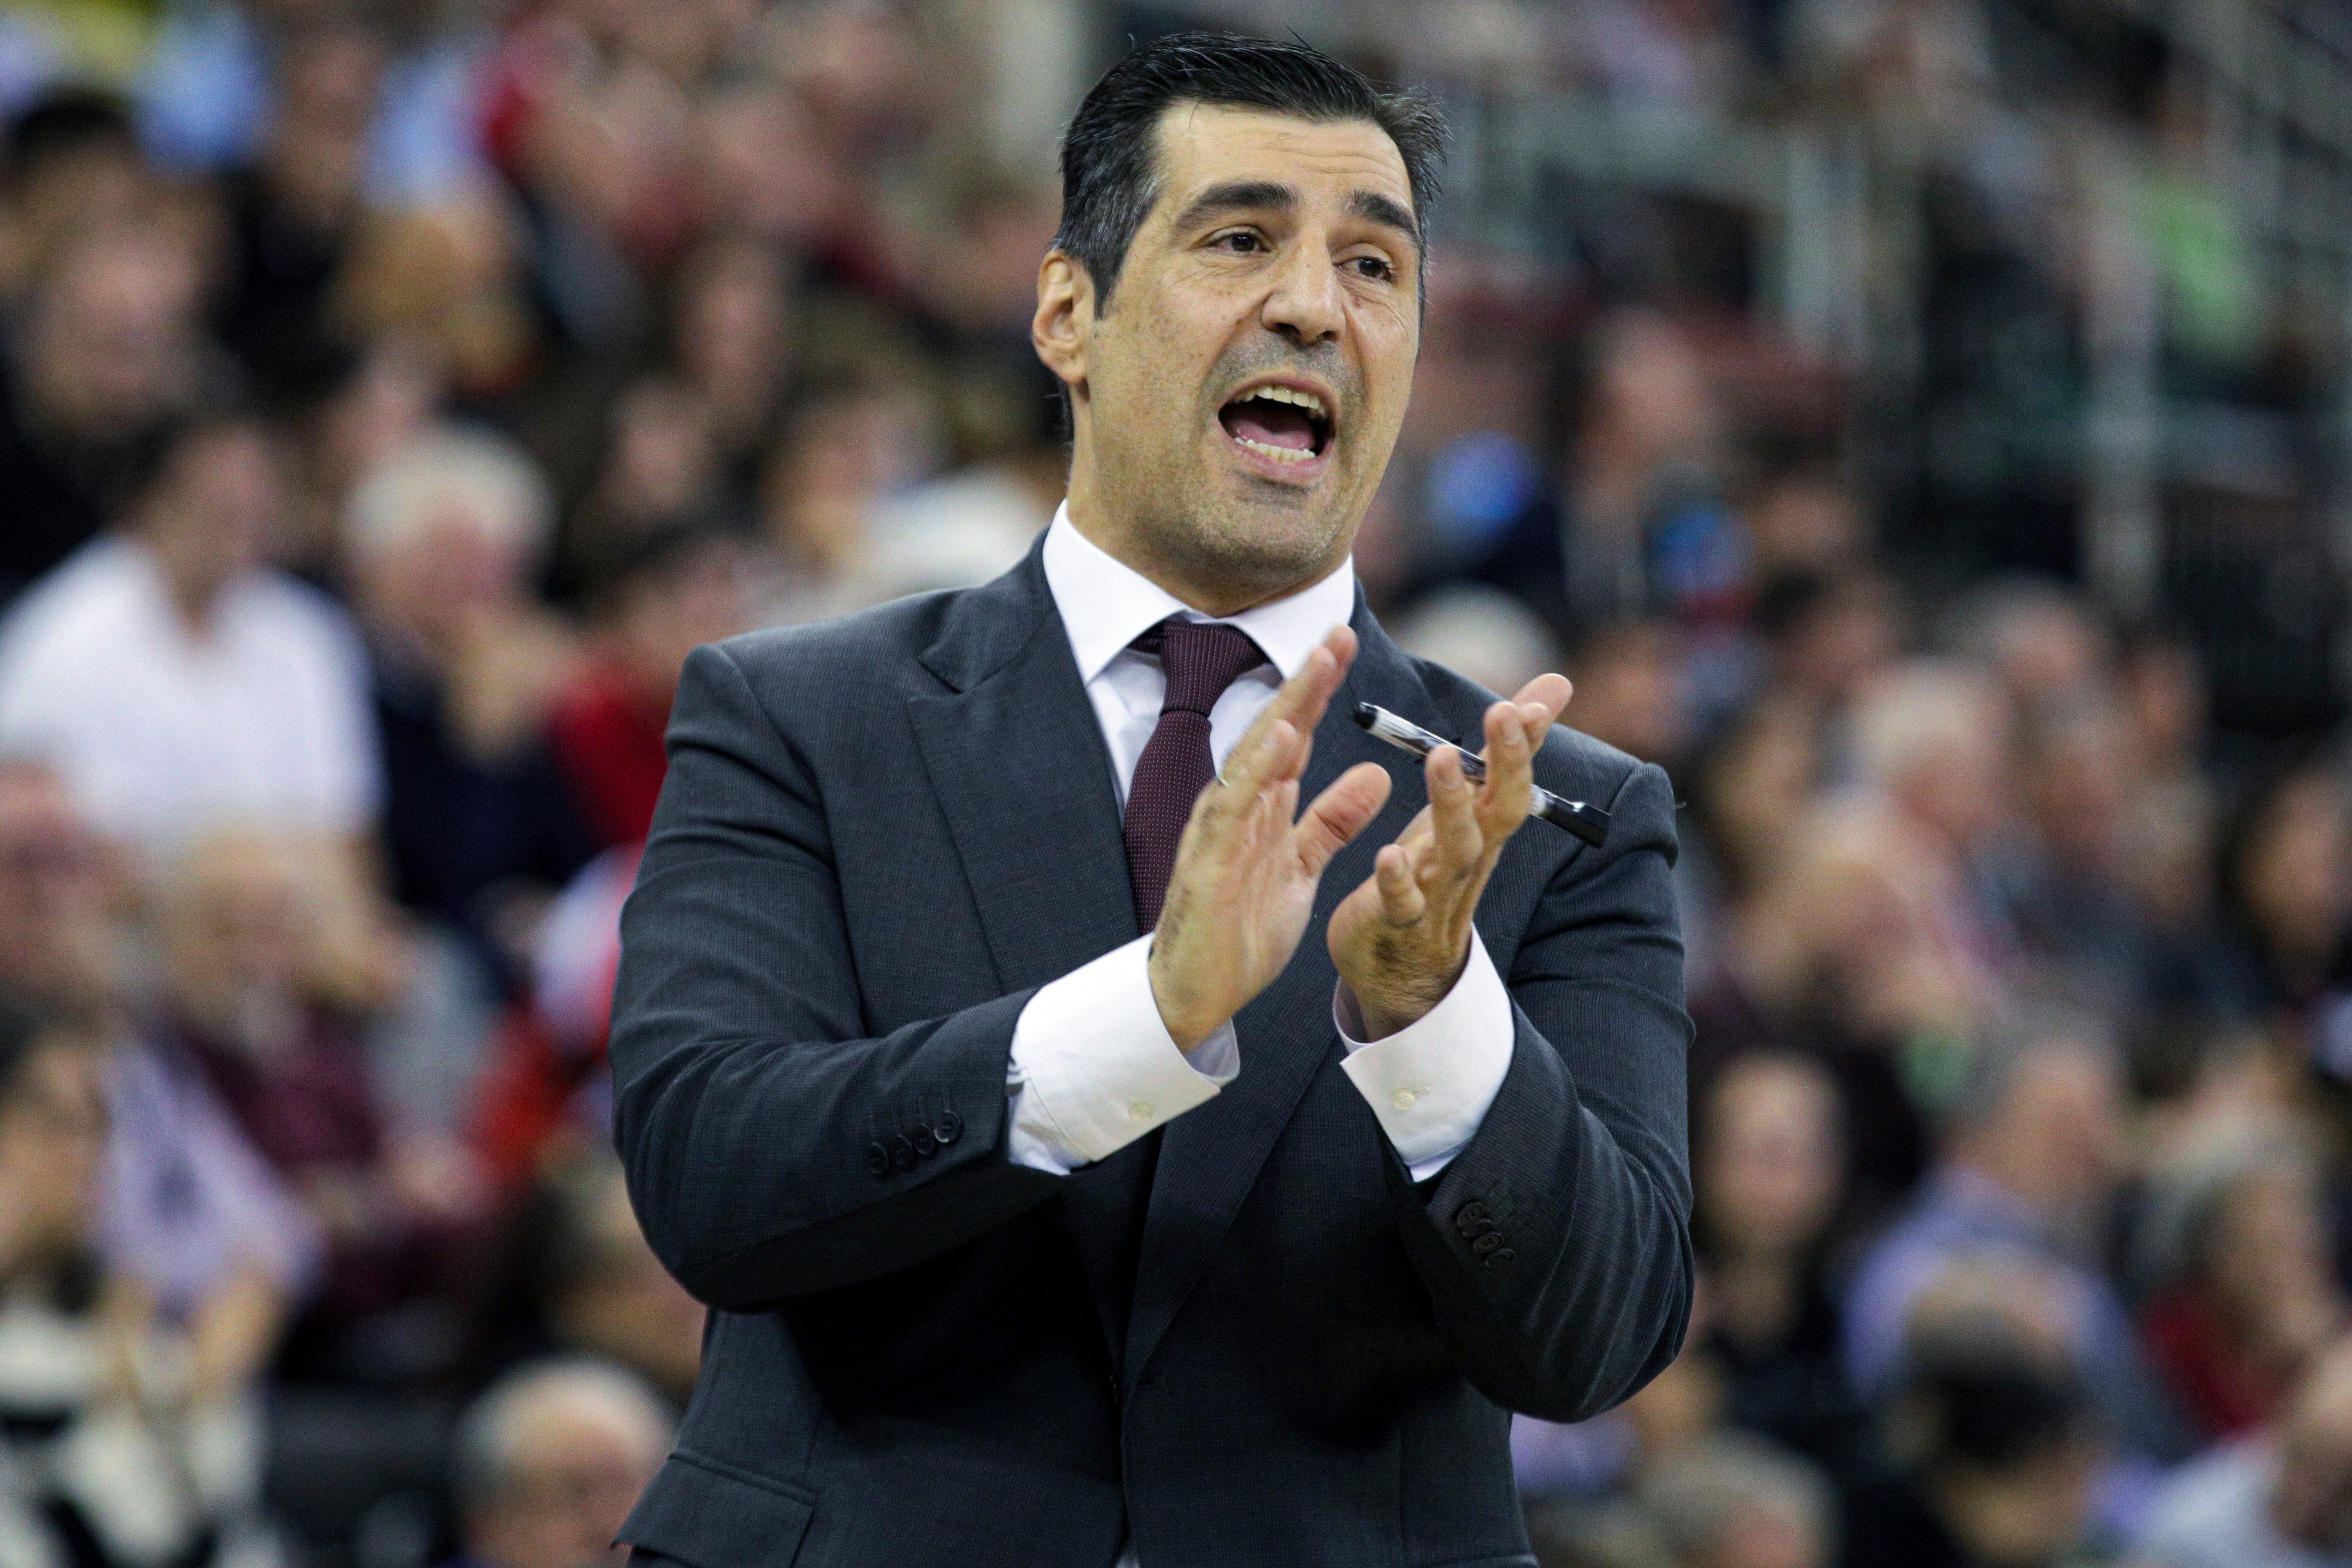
902	1153
1472	1214
1470	1228
878	1159
925	1144
1499	1255
1487	1243
949	1128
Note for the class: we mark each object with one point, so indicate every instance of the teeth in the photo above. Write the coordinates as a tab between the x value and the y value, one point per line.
1307	400
1279	454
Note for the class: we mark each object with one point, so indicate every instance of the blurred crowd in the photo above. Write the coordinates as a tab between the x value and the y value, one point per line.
391	395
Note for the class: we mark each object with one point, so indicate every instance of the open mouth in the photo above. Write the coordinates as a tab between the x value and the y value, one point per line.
1280	423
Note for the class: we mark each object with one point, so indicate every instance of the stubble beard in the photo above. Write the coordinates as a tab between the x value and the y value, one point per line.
1264	547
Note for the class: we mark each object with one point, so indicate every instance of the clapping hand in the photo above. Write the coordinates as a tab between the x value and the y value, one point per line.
1402	939
1243	885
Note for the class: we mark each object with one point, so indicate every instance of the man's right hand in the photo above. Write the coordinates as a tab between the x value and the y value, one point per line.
1243	886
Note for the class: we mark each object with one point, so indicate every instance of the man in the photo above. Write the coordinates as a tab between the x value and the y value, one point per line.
2014	1209
178	681
547	1460
1033	1240
105	350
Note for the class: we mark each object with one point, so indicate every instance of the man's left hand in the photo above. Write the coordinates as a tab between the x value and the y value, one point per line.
1402	939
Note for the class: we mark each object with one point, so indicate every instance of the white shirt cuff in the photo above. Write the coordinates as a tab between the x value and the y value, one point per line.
1433	1081
1093	1067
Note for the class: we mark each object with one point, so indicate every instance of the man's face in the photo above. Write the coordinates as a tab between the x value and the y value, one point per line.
1237	402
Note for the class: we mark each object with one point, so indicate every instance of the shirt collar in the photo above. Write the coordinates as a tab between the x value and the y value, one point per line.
1105	604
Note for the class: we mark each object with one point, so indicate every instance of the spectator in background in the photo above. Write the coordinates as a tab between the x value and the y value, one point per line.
1825	635
1805	519
59	939
2032	1149
549	1463
732	342
1750	790
2059	883
1931	740
291	211
177	681
1732	1502
1482	632
2037	638
2246	1296
578	1277
481	827
126	1438
2287	887
72	160
665	593
185	1210
1768	1171
362	406
104	352
659	459
1631	690
2279	1499
265	976
1995	1449
846	445
1845	951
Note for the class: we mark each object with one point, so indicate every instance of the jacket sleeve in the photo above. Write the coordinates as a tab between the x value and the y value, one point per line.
1556	1247
774	1147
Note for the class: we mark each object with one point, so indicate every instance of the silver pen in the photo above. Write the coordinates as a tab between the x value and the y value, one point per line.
1589	822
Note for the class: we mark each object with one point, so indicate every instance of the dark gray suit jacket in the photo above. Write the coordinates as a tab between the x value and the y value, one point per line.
878	837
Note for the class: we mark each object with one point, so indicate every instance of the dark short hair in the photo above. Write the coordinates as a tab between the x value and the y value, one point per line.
1109	179
65	120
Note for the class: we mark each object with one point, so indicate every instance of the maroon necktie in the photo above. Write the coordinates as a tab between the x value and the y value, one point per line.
1200	659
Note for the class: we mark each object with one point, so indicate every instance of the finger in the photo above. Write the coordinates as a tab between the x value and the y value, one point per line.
1510	771
1453	821
1552	691
1299	703
1340	643
1402	903
1227	805
1335	817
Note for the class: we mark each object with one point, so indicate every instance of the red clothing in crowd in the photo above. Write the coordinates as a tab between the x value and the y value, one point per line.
607	736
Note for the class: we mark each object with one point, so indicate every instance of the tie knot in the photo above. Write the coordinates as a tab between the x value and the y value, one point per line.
1200	658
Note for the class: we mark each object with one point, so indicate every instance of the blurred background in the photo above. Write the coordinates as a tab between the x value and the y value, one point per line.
1920	425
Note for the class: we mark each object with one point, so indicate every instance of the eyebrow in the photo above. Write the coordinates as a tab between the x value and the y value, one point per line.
1264	195
1374	207
1240	195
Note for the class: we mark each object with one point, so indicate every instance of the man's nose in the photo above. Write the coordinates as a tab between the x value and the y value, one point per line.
1304	305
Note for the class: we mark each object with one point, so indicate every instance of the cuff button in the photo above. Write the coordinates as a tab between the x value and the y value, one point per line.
949	1128
926	1143
1488	1244
902	1153
1499	1255
1404	1100
1139	1110
878	1159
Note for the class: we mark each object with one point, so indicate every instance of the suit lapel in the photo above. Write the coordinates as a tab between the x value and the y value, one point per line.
1211	1155
1018	765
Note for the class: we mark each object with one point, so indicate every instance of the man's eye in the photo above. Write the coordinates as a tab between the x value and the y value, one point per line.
1372	267
1241	242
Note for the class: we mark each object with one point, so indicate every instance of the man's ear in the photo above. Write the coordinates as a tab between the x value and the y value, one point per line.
1065	320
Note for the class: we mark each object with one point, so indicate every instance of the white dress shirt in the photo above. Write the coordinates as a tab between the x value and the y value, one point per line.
1093	1066
162	735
